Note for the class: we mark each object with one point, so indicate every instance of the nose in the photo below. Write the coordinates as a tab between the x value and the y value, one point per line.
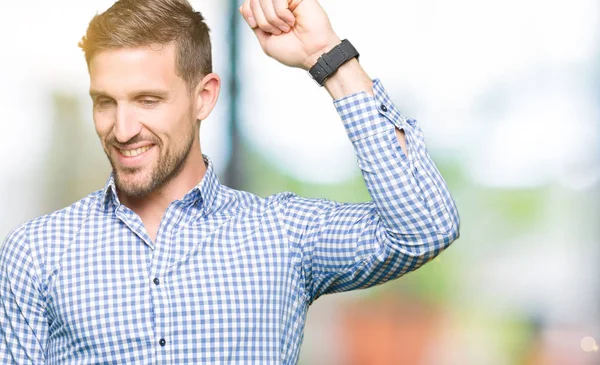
126	124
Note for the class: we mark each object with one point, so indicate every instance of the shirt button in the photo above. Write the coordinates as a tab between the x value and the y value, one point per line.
156	281
162	342
383	108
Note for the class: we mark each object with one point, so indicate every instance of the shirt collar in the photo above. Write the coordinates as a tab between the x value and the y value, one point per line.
205	193
109	193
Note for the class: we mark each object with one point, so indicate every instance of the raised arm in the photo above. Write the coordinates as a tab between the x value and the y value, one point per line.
412	216
410	220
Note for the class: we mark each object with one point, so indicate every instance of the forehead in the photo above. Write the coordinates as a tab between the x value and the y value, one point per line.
122	69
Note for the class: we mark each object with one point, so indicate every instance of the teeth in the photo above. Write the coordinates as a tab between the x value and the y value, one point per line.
133	153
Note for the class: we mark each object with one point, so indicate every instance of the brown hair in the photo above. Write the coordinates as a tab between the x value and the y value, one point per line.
138	23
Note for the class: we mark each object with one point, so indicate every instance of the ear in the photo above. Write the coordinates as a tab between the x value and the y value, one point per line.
207	93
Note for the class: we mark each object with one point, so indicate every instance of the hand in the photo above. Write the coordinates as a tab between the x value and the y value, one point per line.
293	32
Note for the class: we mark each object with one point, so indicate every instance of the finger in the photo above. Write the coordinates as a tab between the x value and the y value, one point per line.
247	14
261	20
282	10
272	17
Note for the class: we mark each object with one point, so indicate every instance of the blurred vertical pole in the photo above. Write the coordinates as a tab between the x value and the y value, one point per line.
234	173
596	201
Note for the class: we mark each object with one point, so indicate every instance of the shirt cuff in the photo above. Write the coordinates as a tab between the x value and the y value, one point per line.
364	115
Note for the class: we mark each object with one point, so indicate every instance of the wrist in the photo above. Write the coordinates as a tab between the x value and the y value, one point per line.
349	79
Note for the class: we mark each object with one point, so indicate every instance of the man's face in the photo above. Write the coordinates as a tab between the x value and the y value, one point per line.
143	114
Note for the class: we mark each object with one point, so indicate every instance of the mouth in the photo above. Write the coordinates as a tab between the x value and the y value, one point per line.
134	153
134	158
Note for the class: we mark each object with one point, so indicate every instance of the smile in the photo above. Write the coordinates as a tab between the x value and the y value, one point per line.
133	153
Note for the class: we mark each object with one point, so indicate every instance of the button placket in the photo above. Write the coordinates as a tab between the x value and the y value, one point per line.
160	287
159	272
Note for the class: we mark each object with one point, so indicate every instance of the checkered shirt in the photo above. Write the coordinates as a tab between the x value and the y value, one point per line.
230	276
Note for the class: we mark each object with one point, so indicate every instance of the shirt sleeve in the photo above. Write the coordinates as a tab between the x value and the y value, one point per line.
23	324
409	221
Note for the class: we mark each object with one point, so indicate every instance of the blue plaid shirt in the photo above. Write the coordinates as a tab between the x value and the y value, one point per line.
230	276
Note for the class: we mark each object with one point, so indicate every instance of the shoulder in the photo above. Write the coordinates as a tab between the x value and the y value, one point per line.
36	234
285	205
234	201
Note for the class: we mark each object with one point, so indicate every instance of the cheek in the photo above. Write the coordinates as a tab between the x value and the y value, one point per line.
102	124
168	124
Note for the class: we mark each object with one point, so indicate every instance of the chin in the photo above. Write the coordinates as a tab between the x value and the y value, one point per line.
137	184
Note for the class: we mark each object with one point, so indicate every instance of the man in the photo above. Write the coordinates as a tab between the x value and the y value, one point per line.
165	264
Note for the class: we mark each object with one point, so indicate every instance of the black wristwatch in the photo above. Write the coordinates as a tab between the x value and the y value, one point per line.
329	62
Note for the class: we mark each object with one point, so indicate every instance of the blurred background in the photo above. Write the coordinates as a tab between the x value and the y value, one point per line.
508	96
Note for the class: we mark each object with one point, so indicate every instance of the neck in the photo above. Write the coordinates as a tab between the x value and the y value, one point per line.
152	207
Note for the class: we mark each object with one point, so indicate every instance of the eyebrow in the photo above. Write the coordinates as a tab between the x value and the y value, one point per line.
150	92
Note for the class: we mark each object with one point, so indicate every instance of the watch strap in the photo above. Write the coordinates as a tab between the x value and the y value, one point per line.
329	62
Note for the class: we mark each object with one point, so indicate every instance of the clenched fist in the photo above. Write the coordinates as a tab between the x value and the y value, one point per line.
293	32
